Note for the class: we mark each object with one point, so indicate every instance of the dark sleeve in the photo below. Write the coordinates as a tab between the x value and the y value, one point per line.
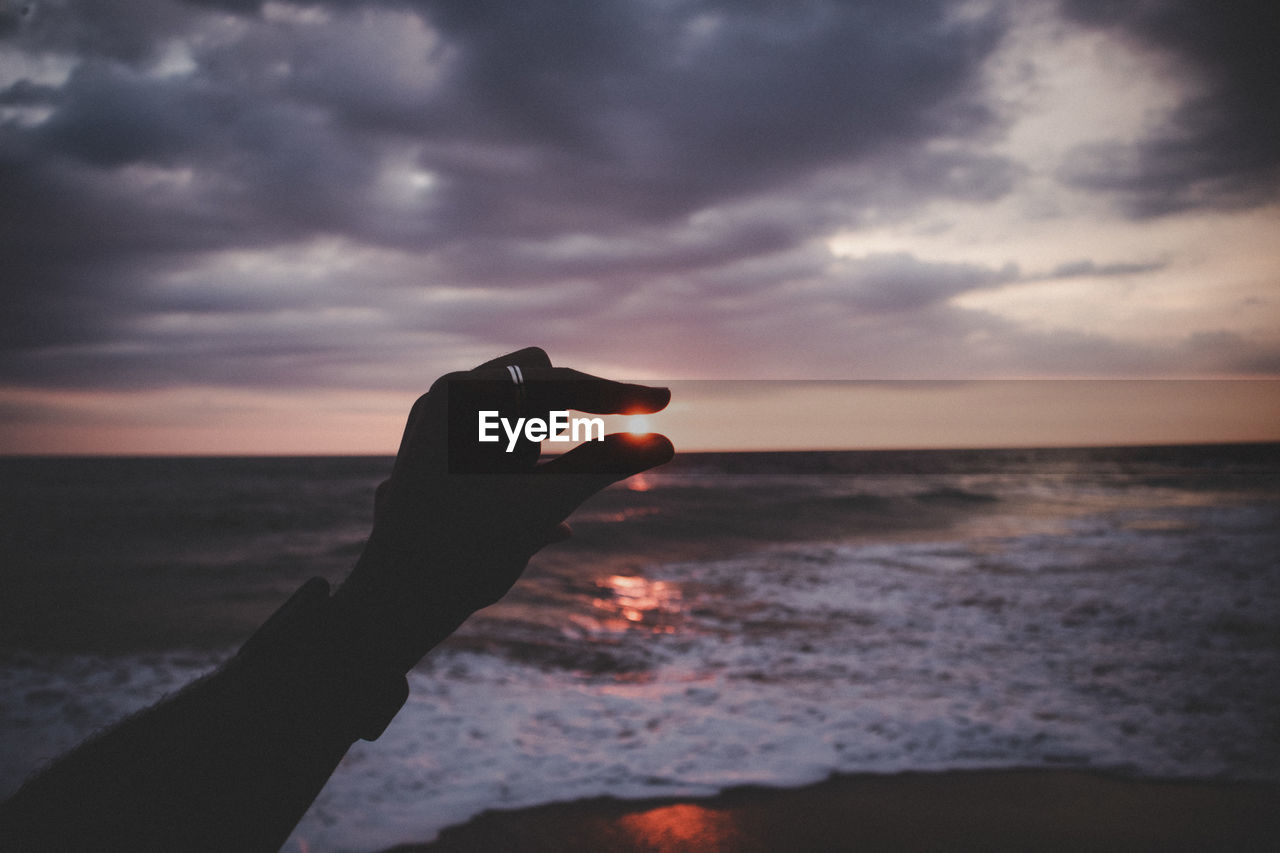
231	762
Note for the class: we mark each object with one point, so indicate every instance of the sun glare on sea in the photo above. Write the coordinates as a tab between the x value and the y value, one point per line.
682	827
641	603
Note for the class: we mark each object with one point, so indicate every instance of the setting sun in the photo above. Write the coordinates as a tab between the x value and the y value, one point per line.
638	425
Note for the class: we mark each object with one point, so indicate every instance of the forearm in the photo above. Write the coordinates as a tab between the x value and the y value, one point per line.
234	761
230	763
201	771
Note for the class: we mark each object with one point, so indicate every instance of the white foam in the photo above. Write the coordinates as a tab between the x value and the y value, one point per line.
919	656
1137	642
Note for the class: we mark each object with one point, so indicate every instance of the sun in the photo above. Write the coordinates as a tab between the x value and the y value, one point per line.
638	424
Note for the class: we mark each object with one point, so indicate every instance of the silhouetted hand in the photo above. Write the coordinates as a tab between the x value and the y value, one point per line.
458	520
234	760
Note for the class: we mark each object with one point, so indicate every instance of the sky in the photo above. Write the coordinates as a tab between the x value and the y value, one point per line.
230	226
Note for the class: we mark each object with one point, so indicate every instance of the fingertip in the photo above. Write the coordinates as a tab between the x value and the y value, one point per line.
645	399
619	454
654	447
659	398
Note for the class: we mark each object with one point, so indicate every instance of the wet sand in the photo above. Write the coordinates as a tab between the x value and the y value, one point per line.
1042	810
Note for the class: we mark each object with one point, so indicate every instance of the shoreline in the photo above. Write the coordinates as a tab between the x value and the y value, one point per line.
1007	809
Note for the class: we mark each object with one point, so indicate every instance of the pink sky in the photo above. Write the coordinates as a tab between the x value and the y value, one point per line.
267	228
703	415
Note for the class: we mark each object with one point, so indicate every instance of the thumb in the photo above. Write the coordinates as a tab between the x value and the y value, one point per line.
568	480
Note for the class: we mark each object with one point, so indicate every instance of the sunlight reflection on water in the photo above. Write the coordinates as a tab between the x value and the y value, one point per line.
640	603
682	827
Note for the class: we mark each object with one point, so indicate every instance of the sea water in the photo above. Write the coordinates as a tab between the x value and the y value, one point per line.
728	619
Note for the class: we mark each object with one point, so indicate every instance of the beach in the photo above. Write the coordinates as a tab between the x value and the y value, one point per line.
1043	810
1030	644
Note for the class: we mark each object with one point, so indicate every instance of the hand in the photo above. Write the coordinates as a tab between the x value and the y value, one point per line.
446	541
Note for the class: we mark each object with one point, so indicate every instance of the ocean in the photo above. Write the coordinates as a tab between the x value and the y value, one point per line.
766	618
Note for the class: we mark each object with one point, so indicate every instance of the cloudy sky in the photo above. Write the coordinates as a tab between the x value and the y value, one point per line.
252	226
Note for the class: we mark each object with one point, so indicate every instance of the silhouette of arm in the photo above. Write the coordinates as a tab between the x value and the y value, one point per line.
234	760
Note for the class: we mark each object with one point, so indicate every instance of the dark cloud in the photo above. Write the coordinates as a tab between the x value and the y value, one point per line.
535	118
653	115
483	145
1225	351
230	5
1219	149
1087	268
129	31
240	193
14	15
899	282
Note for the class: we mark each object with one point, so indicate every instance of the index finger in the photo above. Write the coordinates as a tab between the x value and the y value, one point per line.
565	388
